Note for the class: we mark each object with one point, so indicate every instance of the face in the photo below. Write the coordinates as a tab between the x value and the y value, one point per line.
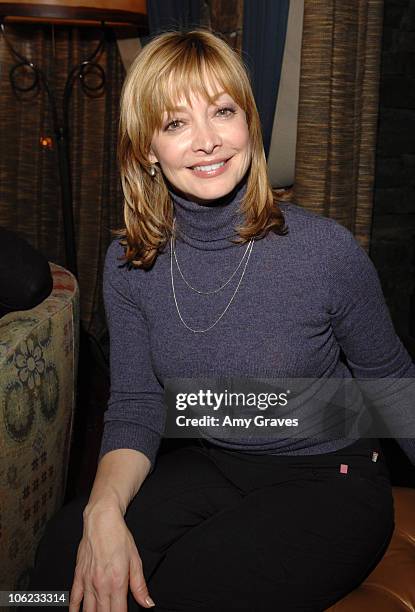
204	149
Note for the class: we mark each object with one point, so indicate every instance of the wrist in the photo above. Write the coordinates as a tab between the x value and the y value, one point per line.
104	505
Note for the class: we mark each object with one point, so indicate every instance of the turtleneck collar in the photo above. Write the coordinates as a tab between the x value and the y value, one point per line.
211	226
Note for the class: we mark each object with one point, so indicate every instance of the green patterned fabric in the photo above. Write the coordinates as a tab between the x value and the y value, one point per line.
38	364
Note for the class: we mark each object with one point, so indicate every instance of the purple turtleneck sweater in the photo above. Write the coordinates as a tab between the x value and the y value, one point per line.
305	297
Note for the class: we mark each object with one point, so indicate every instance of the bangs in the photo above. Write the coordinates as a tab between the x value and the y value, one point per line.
194	71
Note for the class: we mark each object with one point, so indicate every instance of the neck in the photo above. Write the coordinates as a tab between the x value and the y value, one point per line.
210	225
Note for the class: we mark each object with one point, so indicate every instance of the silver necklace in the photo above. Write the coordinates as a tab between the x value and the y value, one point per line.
222	286
200	331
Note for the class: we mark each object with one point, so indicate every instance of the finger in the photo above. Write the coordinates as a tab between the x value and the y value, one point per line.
119	601
77	593
118	596
104	603
138	584
89	602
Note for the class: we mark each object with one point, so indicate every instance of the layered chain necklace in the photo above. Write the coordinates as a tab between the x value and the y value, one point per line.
246	255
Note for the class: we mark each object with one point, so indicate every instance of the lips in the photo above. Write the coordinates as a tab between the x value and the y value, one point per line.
209	163
212	170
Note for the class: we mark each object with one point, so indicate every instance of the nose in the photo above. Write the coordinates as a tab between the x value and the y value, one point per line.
205	137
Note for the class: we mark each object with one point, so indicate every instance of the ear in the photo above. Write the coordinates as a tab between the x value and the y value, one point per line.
151	157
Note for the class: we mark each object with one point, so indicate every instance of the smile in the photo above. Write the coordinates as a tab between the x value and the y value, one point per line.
208	171
208	168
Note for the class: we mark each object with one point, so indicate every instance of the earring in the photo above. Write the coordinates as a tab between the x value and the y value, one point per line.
153	171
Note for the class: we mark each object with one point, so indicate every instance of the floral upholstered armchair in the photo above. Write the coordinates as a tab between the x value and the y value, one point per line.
38	366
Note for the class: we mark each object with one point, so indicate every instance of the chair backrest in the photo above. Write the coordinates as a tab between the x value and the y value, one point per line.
38	371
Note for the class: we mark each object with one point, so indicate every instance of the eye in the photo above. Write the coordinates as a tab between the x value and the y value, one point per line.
171	126
227	110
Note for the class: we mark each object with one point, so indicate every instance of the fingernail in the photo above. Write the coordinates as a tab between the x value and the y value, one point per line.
149	602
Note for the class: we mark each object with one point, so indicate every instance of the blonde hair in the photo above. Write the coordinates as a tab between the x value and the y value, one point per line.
172	65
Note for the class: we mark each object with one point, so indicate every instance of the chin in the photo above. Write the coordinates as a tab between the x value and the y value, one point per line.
210	192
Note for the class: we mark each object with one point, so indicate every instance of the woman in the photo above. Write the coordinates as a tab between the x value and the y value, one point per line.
211	279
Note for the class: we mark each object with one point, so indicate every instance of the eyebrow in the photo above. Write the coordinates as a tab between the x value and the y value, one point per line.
184	108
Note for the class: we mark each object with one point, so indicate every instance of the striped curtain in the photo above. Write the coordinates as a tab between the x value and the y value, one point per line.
338	110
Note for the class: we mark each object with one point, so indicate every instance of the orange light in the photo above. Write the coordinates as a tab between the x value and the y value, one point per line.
46	142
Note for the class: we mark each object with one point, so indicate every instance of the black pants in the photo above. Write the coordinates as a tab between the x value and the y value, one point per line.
224	531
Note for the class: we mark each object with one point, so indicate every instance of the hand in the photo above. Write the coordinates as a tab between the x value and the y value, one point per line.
107	563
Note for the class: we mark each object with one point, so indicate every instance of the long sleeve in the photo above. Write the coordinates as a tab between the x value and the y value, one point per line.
363	328
135	415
